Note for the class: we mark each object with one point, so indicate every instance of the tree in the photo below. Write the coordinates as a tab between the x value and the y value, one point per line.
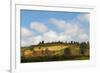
31	48
88	45
71	42
67	52
42	42
83	47
39	42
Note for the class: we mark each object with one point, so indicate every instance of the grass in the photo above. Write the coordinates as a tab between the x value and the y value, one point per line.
83	58
53	58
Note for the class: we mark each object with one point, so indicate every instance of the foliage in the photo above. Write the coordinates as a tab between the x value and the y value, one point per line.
83	47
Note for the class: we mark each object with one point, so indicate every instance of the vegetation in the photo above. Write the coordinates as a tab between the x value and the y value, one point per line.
55	51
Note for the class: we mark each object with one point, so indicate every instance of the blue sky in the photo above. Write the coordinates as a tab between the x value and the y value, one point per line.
50	21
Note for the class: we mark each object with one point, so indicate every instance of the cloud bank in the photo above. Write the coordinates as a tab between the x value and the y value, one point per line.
71	31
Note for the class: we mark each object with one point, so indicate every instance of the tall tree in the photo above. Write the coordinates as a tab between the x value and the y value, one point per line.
83	47
42	42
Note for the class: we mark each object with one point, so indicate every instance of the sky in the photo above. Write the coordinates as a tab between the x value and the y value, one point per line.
52	26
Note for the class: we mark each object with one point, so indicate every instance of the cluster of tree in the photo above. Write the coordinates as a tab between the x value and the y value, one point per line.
61	42
74	42
83	47
42	43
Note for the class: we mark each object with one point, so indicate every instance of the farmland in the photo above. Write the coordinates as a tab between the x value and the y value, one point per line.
57	51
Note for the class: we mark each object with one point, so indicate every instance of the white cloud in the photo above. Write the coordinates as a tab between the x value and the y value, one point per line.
68	27
84	17
26	37
60	23
71	29
37	39
50	36
27	41
83	37
53	36
40	27
26	32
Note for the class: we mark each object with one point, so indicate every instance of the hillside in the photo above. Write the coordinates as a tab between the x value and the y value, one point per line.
52	50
